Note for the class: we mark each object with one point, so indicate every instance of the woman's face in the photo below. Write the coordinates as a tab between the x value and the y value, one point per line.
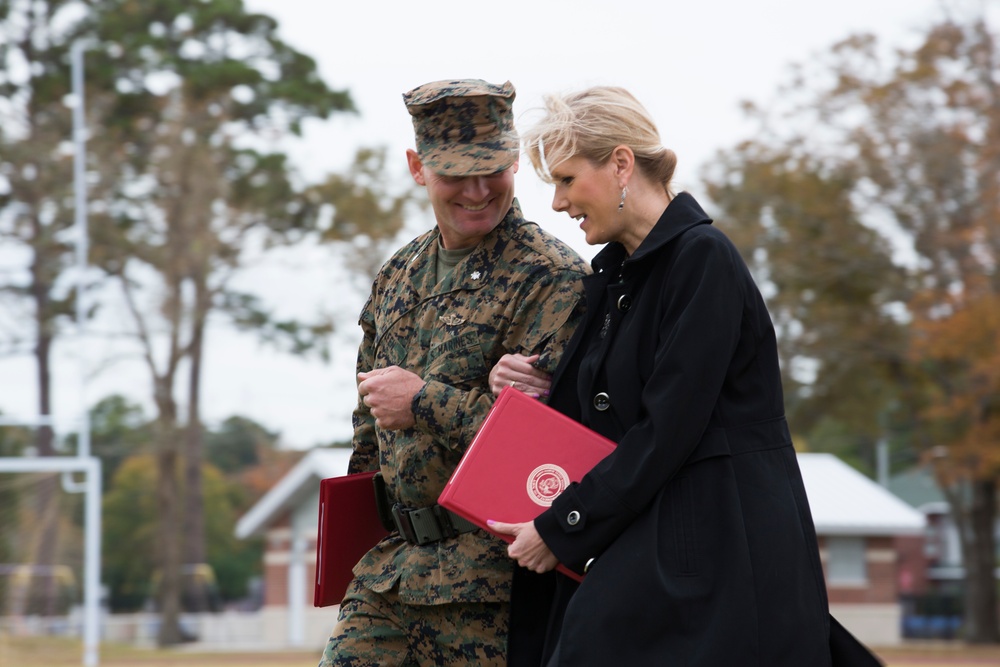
590	194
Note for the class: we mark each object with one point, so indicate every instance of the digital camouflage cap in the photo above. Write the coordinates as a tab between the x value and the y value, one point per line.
464	127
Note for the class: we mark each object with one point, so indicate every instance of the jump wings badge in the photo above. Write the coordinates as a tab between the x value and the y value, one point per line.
452	320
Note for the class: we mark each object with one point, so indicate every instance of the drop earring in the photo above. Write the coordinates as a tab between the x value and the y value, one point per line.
621	202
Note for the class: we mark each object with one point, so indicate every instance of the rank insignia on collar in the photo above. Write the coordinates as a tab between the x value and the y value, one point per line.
452	320
476	275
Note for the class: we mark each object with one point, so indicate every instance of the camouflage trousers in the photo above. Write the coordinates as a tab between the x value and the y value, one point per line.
377	630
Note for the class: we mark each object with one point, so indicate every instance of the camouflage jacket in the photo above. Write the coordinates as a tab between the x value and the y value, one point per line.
519	291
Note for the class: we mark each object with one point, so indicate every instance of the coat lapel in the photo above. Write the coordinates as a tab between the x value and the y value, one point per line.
681	214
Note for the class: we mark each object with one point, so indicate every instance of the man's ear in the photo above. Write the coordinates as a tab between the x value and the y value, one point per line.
416	166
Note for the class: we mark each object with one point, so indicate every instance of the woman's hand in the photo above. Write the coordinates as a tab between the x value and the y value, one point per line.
528	548
518	371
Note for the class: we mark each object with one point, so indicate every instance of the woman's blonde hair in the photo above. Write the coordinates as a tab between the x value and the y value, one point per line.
592	123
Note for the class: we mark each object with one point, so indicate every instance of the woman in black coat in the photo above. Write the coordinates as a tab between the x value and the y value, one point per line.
695	534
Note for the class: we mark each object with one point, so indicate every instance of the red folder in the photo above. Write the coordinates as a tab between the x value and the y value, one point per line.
348	527
523	456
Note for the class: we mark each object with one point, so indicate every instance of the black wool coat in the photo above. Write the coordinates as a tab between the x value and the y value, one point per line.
695	533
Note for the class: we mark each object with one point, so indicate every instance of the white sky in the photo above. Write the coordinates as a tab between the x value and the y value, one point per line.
690	63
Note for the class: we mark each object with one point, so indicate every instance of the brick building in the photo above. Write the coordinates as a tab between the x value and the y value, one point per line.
871	545
287	516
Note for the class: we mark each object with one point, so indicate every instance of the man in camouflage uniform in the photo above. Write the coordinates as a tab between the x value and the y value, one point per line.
443	310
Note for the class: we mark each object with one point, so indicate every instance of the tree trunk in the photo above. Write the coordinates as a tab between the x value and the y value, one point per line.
167	496
196	589
982	621
44	548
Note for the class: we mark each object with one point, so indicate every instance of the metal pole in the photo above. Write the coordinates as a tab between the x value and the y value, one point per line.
297	588
38	420
882	462
45	464
80	195
92	509
92	566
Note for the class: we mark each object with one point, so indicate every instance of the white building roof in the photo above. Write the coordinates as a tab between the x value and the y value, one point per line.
845	502
299	484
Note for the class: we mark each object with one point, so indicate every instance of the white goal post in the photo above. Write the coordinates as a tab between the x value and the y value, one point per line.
84	462
90	466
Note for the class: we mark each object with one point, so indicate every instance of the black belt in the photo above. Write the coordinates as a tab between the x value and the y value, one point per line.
418	525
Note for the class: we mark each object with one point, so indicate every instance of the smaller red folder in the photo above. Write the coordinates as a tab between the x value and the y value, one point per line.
348	527
523	456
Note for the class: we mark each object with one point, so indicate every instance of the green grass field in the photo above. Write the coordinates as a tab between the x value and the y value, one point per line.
57	652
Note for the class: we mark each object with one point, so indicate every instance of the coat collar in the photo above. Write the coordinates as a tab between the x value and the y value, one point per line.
682	213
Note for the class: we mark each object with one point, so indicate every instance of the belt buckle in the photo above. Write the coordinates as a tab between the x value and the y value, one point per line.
426	527
401	517
444	521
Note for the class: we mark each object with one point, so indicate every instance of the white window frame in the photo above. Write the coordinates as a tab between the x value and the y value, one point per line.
847	560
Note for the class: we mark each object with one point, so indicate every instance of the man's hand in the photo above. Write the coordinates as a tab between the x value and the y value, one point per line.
388	393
